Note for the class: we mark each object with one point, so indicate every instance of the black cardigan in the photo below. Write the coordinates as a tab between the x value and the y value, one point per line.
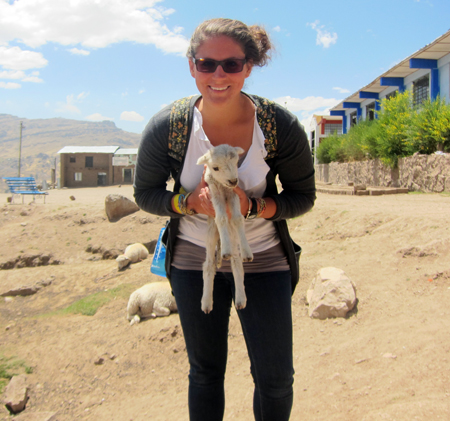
292	163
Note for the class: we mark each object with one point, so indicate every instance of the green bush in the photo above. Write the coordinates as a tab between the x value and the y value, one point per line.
431	127
400	130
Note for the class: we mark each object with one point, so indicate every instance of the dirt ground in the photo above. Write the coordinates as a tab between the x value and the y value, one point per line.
389	360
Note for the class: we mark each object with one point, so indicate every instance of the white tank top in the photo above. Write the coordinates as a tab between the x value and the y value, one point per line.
261	234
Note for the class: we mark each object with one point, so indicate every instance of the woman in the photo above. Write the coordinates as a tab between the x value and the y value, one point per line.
221	55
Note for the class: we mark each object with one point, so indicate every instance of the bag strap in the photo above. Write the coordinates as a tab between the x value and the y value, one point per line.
179	123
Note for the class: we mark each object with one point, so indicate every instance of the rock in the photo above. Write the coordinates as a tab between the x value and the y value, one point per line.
16	394
37	416
111	254
99	361
118	206
331	294
72	197
22	291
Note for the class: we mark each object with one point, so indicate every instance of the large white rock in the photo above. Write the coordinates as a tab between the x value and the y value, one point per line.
118	206
16	394
331	294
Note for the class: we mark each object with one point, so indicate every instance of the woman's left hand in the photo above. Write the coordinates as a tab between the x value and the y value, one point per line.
243	200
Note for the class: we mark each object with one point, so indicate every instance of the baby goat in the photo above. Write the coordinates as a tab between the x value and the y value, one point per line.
228	234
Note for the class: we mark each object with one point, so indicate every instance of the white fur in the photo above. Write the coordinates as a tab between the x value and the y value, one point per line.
150	301
228	234
133	253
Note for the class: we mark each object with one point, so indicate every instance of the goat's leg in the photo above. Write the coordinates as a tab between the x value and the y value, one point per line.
221	220
237	222
209	266
238	274
237	268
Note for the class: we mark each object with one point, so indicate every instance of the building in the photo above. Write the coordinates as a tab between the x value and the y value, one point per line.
92	166
426	73
321	127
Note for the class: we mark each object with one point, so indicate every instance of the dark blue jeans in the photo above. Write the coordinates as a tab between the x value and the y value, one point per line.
267	326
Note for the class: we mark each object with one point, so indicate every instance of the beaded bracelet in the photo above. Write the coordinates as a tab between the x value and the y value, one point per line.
183	205
176	203
262	206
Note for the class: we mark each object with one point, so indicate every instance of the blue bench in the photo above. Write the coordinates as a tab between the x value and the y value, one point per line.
23	186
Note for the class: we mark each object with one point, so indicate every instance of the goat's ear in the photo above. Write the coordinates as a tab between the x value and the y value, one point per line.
239	150
204	159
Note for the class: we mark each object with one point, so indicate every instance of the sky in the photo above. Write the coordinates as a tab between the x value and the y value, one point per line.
123	60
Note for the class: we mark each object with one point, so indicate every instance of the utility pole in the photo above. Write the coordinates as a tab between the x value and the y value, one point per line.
20	146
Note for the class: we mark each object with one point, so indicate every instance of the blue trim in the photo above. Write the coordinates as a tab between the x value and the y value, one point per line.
356	105
369	95
393	81
434	88
344	119
422	63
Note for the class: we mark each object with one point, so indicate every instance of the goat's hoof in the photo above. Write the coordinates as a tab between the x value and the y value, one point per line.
207	307
247	259
240	305
226	256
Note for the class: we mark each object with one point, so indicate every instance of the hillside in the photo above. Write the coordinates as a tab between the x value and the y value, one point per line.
388	360
43	138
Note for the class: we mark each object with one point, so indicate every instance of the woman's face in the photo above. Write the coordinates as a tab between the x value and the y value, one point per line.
219	87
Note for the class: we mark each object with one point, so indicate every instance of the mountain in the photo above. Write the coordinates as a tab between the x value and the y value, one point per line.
43	138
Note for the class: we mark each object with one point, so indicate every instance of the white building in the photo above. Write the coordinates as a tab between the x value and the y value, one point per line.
426	73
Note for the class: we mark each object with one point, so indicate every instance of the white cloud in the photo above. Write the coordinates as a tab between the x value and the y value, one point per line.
12	74
131	116
82	96
310	103
9	85
305	108
324	37
79	52
33	79
141	91
69	106
91	24
341	90
277	29
20	74
98	117
15	58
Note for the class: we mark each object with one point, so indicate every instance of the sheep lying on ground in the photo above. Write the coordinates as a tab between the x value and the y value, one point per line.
133	253
150	301
228	234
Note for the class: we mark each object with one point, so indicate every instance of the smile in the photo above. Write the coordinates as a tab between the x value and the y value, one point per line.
219	89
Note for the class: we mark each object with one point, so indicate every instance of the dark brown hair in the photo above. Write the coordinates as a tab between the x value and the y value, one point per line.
254	40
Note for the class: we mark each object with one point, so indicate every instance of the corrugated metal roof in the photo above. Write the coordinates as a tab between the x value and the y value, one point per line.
437	49
125	151
88	149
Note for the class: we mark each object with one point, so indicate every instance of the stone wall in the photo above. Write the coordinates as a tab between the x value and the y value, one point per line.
426	173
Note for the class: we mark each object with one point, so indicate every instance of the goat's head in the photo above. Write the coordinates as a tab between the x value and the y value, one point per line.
221	162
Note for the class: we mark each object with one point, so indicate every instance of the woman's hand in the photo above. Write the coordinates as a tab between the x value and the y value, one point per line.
243	200
200	199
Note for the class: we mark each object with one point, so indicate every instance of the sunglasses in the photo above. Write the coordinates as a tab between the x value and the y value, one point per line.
230	65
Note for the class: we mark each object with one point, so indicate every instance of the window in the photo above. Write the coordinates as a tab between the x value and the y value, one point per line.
421	90
72	159
353	119
370	111
333	128
89	162
391	95
78	176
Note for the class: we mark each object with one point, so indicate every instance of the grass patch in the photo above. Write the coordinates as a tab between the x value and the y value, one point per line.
89	305
9	367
